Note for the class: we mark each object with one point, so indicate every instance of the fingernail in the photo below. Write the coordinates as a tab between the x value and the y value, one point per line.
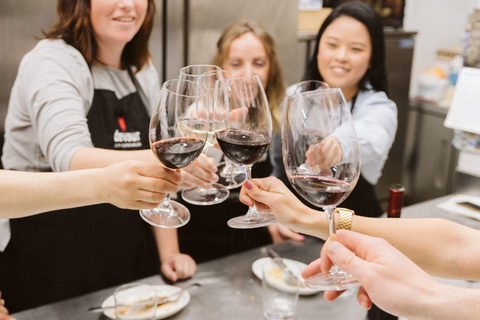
248	185
333	247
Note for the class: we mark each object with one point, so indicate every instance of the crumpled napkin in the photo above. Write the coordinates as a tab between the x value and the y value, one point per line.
452	206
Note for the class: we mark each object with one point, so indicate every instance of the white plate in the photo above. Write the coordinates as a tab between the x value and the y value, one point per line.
163	311
295	266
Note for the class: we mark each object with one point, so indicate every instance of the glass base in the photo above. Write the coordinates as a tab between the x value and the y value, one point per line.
174	216
253	219
231	180
335	280
206	197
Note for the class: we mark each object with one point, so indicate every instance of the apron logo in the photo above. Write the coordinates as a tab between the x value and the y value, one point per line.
127	139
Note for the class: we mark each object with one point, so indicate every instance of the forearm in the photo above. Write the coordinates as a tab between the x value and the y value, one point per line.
98	158
450	302
440	247
167	242
26	193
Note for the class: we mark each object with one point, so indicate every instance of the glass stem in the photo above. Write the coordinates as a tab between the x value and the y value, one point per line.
253	209
204	151
228	169
329	211
166	202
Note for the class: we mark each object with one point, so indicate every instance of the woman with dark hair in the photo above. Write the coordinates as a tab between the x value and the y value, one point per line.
82	99
350	55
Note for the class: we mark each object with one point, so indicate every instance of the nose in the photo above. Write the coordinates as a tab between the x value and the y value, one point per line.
341	53
248	70
126	3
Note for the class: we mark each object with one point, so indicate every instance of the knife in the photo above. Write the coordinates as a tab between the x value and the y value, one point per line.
290	278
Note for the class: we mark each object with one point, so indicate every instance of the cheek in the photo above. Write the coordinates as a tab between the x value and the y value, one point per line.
363	64
264	78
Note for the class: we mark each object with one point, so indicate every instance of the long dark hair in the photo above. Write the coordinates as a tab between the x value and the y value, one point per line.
376	74
75	28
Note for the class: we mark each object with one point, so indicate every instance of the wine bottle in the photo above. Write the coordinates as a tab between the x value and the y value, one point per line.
395	201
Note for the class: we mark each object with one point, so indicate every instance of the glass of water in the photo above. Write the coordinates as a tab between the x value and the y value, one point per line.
279	298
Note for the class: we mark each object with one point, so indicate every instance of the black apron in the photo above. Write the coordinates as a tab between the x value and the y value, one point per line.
61	254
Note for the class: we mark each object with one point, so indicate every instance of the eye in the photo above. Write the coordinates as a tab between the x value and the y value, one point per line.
260	63
235	63
331	44
357	49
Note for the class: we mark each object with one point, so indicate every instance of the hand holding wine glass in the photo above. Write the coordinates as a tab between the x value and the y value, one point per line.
242	107
169	144
322	160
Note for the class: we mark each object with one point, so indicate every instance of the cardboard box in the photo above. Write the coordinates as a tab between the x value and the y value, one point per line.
312	20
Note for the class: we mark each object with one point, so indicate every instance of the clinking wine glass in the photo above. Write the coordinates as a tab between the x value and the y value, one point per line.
206	75
242	107
171	147
322	160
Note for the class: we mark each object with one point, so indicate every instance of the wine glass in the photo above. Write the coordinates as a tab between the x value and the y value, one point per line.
230	175
242	107
205	75
179	101
322	160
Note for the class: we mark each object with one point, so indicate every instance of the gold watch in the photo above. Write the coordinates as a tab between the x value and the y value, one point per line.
344	218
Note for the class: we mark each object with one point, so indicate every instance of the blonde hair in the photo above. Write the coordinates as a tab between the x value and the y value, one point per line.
275	88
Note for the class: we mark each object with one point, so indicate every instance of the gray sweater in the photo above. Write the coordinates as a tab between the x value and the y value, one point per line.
46	120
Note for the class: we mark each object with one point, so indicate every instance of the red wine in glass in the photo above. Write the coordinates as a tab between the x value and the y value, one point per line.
177	153
242	147
321	190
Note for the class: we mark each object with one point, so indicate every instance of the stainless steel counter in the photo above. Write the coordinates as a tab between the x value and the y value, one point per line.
230	290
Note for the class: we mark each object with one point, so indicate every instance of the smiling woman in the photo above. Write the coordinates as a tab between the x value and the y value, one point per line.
115	24
350	55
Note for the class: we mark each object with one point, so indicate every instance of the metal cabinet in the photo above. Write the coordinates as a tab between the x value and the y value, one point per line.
430	158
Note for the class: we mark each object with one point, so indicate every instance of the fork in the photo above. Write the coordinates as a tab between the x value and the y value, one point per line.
287	275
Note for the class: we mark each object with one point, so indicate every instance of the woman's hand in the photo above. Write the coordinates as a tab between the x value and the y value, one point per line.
280	233
270	194
388	278
178	266
136	185
201	173
325	154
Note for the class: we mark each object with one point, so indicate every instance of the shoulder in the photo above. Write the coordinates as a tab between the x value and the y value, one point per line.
53	59
58	52
371	97
148	74
53	66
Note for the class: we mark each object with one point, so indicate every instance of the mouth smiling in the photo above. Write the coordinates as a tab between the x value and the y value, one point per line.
124	19
339	70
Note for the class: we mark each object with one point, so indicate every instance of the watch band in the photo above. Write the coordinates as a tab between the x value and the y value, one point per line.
344	218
